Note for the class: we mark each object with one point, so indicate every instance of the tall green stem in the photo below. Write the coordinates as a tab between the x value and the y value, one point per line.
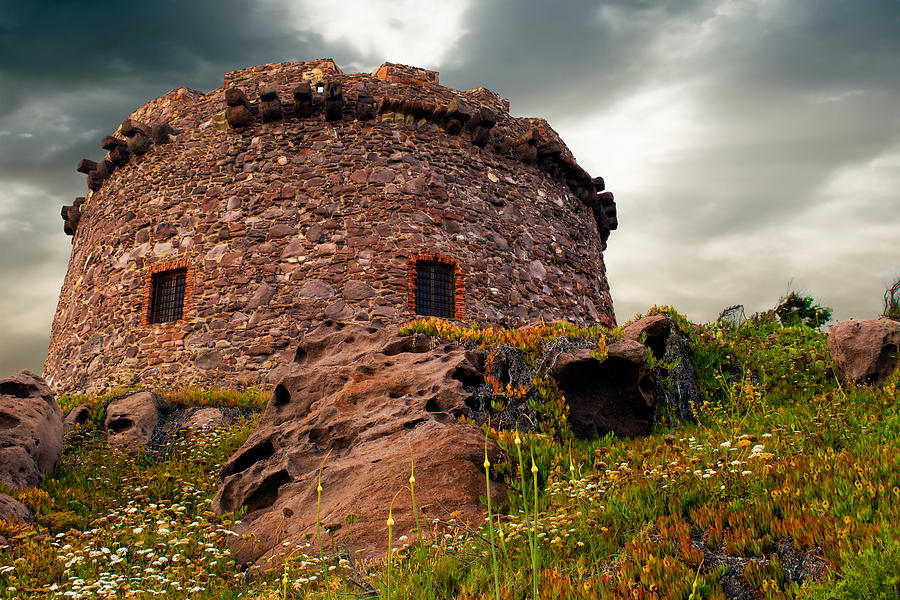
424	551
319	528
534	556
532	539
487	480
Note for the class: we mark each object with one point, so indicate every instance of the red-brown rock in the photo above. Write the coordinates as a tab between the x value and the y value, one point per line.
615	395
359	400
31	430
865	351
12	510
130	421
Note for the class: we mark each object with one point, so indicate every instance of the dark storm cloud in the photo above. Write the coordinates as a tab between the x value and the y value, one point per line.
760	157
781	98
561	56
70	73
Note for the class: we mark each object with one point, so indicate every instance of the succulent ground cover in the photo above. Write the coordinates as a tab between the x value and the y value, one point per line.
786	486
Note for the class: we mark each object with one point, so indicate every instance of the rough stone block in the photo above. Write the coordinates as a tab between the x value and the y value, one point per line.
111	142
86	166
235	97
302	100
334	100
365	107
138	143
161	133
238	116
270	105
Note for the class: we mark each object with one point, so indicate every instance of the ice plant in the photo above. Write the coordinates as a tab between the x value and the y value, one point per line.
487	480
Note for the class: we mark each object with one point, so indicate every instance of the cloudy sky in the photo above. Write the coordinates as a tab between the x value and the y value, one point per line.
753	145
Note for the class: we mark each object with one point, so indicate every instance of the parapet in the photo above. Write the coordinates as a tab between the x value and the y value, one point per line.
394	93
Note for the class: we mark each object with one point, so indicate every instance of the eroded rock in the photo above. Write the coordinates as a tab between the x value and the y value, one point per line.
130	421
13	510
865	351
31	430
615	395
79	415
358	400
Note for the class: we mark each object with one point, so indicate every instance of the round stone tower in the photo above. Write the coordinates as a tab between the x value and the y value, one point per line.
220	226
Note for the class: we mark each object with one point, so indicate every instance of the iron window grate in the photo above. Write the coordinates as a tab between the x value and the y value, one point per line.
434	289
168	296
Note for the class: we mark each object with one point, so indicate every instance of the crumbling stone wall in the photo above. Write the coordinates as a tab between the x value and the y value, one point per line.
296	194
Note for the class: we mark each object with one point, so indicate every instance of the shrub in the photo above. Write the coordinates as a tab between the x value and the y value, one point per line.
801	310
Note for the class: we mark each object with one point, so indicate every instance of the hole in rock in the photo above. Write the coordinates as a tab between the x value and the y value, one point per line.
300	355
432	406
281	396
411	424
263	451
266	493
394	395
469	376
607	398
8	421
119	425
15	390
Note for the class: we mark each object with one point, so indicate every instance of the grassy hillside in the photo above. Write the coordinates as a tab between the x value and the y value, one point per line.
787	486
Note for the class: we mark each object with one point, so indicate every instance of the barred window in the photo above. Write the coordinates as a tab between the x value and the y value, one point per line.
167	295
434	289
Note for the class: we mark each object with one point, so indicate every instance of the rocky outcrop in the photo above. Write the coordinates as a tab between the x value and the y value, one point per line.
865	351
359	402
13	510
31	430
206	418
615	395
79	415
131	420
675	383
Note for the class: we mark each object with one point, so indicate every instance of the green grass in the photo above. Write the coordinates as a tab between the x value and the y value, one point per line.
781	450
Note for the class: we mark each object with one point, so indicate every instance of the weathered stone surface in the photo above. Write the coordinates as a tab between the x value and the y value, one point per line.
130	421
865	351
206	418
316	288
361	399
31	430
262	296
79	415
13	510
615	395
358	290
303	199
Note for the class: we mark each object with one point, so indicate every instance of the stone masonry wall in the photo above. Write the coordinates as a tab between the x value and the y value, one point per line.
285	223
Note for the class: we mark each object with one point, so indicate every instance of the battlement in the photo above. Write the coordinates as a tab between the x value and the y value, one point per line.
318	89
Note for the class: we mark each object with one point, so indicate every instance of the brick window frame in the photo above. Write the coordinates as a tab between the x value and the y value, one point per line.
147	299
459	281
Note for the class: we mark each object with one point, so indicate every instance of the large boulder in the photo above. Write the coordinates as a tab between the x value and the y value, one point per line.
360	401
131	420
13	510
676	393
614	395
865	351
31	430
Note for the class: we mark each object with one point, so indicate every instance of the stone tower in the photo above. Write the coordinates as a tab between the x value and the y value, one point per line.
220	226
